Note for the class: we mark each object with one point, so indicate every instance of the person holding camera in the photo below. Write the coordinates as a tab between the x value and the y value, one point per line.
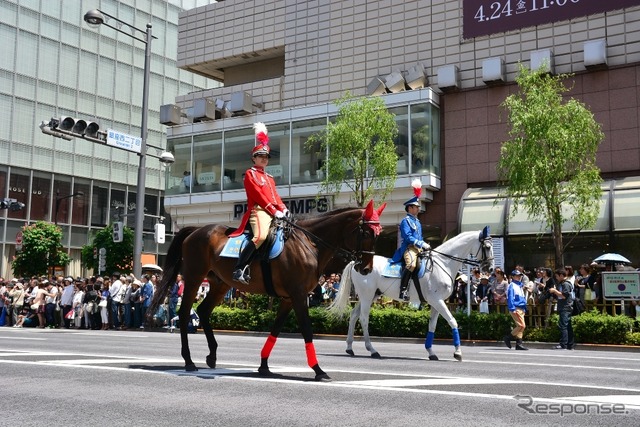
517	305
563	292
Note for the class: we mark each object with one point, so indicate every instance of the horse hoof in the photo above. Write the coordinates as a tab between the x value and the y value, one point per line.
265	372
211	362
350	352
457	356
323	378
376	355
191	367
433	357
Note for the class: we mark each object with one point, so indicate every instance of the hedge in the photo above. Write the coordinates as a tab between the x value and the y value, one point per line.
258	312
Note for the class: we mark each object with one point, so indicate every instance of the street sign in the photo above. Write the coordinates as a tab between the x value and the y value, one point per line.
123	141
618	285
102	260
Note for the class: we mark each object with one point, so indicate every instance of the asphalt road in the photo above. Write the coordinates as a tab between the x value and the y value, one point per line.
79	378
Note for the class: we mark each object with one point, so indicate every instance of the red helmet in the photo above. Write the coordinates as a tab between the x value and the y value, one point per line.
260	150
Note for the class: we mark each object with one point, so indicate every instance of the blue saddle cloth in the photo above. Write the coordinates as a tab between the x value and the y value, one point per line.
234	245
394	269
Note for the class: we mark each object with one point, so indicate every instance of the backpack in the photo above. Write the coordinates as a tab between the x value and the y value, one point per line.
578	306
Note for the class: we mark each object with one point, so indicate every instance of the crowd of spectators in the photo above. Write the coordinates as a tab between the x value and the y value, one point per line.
99	303
488	292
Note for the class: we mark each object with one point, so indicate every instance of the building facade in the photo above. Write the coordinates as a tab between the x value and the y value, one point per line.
285	62
53	65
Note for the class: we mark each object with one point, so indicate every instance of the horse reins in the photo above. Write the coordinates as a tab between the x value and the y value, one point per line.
343	253
467	261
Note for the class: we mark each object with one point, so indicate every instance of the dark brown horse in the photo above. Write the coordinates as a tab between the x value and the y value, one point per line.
313	242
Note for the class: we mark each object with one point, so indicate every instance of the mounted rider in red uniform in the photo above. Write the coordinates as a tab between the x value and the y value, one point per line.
263	203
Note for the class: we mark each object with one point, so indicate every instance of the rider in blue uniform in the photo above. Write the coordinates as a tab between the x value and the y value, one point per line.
412	244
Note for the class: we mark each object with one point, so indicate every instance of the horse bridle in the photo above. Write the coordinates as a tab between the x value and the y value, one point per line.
355	255
485	244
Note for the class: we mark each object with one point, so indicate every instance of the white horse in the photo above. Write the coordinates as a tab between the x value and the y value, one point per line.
436	286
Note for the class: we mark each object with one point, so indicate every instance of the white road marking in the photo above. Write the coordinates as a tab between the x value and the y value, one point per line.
407	385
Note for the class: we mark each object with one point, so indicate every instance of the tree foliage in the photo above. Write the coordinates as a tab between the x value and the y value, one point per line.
549	163
119	256
360	149
41	250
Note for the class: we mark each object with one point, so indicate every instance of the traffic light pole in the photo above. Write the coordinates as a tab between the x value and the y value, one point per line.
142	168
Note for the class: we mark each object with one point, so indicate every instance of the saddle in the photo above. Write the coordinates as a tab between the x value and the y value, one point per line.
394	269
270	249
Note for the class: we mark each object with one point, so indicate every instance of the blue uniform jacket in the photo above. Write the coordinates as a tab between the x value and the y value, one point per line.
411	233
515	296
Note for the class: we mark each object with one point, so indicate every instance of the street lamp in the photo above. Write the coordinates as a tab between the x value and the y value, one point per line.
96	18
59	199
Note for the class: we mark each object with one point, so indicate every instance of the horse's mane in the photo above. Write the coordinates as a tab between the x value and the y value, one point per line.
446	246
313	218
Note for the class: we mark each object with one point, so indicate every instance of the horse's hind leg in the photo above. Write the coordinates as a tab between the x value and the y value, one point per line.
281	317
365	310
355	313
184	315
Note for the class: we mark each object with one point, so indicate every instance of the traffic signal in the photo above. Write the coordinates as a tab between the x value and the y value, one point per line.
79	126
158	233
118	233
11	204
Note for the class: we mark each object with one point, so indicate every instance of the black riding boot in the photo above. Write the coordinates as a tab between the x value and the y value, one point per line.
519	345
241	272
404	284
507	340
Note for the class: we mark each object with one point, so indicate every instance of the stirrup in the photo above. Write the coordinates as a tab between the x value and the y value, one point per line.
242	277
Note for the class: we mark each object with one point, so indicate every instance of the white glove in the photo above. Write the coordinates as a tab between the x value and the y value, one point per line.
279	214
286	212
425	246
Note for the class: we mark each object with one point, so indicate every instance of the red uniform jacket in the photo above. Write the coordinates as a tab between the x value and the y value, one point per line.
261	191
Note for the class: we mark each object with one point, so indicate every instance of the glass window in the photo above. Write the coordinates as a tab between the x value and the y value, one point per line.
181	150
19	189
49	27
88	72
476	214
207	163
434	148
48	61
70	34
402	140
123	83
80	202
24	121
26	64
421	134
100	205
51	8
118	204
306	162
61	202
28	20
89	40
106	76
40	196
237	157
48	92
626	206
7	47
68	67
79	237
278	166
9	14
25	87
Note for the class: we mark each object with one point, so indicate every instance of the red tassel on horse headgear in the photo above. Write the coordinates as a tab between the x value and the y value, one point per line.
417	191
371	217
262	140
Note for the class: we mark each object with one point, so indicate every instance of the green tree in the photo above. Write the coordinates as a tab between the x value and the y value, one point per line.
360	149
549	164
119	256
41	250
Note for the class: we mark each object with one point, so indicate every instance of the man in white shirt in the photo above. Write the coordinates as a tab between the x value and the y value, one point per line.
115	292
66	300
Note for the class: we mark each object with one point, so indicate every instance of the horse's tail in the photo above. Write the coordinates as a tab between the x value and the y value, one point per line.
171	268
338	307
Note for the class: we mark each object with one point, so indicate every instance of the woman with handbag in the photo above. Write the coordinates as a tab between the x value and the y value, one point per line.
104	302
